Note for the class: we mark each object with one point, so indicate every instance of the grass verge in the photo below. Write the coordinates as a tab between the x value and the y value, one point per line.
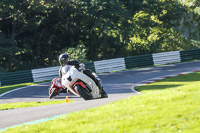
168	106
7	106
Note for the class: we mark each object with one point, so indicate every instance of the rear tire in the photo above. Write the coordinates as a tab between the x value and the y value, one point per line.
83	93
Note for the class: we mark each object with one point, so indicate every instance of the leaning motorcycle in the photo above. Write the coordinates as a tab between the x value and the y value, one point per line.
79	84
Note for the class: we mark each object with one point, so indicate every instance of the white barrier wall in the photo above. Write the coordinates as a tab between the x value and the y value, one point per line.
116	64
45	73
166	57
109	65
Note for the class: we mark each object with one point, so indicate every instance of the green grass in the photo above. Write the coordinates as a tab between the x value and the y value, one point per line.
7	106
168	106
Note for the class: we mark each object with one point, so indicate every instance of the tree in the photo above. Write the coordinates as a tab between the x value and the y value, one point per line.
33	33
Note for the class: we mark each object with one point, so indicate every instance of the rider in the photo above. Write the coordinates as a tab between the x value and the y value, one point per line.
64	60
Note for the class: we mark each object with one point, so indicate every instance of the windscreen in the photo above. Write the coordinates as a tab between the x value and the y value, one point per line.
65	69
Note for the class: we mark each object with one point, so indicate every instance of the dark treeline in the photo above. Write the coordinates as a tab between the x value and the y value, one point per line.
34	32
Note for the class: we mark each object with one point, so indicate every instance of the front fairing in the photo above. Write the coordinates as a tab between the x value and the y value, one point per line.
69	73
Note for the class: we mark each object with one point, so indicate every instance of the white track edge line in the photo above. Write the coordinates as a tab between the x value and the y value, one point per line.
5	93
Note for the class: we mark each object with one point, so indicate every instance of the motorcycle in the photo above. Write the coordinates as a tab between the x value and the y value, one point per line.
77	83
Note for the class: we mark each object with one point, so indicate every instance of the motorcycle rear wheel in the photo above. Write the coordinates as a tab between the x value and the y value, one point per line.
83	93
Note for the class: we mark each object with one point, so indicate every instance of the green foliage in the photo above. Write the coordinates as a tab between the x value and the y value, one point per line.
8	48
189	22
33	33
77	53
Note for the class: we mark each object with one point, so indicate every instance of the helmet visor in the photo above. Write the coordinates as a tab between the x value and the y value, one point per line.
63	61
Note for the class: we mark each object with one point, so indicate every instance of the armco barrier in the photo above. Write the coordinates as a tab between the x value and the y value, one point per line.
16	77
190	55
109	65
49	73
138	61
166	57
45	73
90	65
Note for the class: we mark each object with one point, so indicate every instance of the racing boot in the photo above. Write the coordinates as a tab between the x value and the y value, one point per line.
103	92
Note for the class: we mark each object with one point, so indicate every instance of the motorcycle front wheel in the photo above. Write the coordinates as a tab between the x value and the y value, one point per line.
83	92
52	93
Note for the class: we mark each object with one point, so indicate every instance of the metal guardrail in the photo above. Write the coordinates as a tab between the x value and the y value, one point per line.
166	57
190	55
16	77
90	65
116	64
110	65
45	73
138	61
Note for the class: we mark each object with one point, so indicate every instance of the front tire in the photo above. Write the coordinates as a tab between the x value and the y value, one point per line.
82	92
52	93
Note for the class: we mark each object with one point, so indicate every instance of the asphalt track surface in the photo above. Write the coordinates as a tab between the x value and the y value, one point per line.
117	85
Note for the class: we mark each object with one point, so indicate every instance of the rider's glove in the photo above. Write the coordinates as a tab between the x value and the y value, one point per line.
81	66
